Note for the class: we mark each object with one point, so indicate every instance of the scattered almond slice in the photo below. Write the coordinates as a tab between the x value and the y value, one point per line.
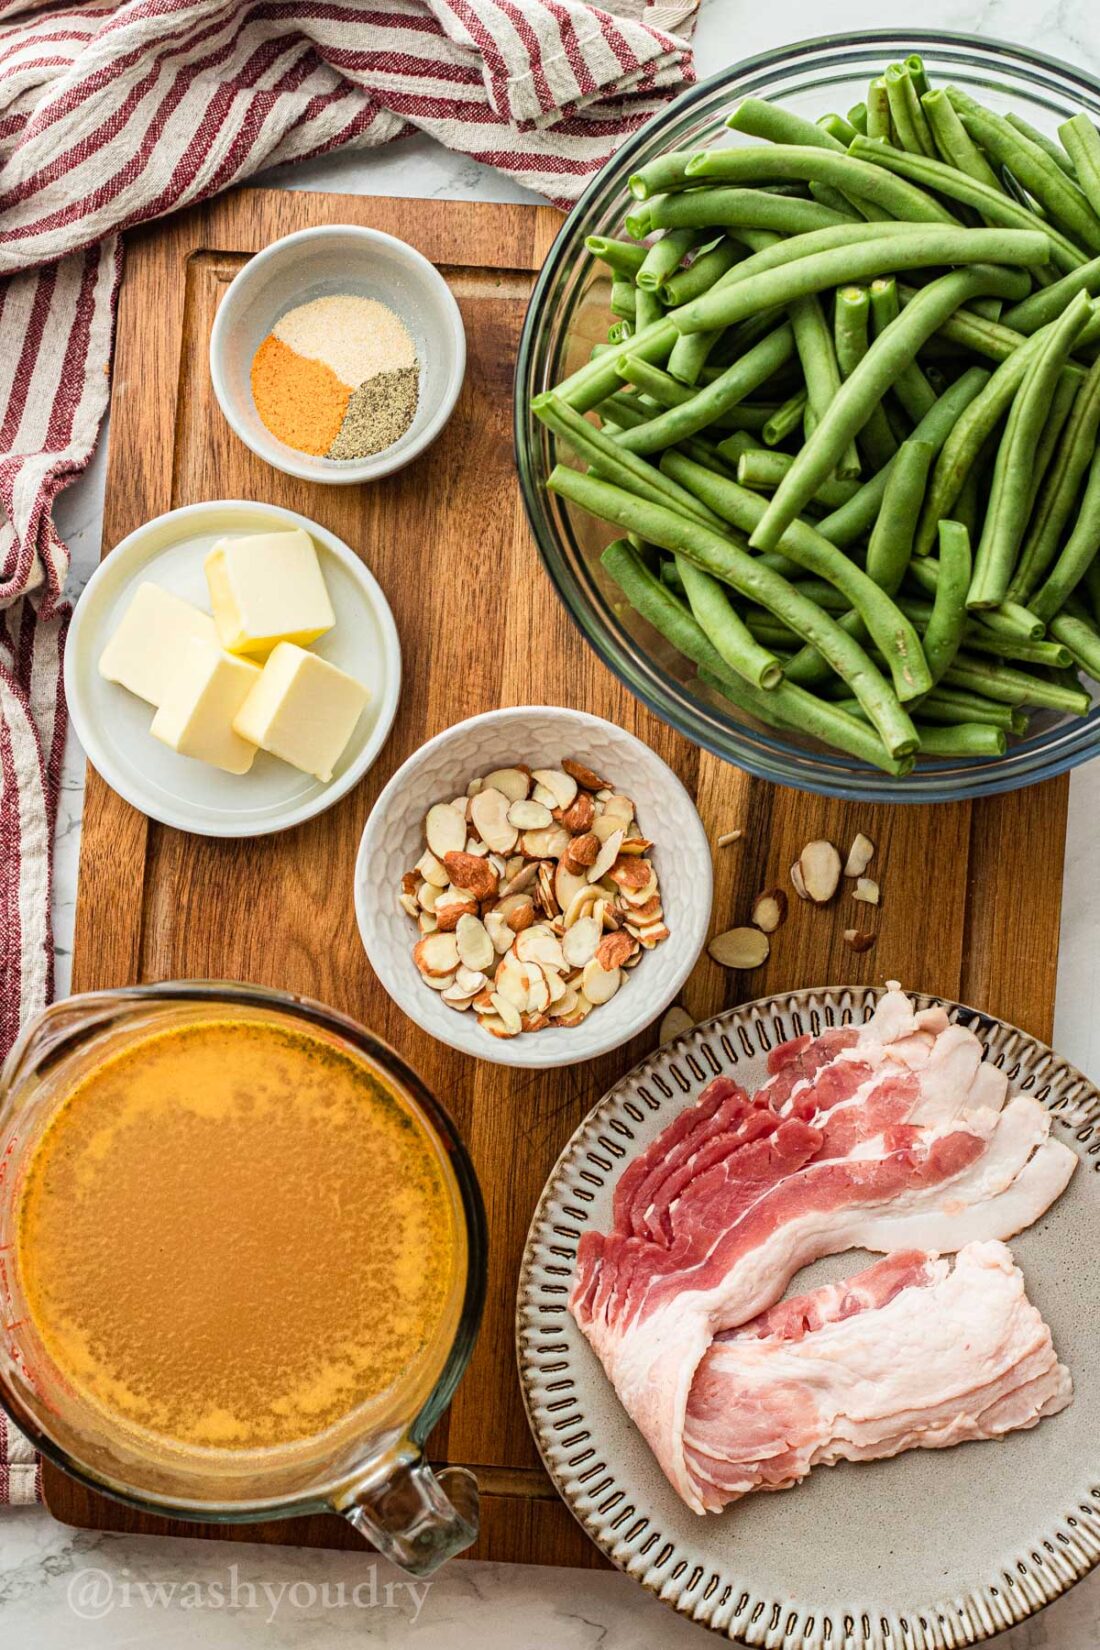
581	940
408	904
539	944
675	1023
499	932
561	785
606	857
432	870
819	863
445	830
859	939
451	906
530	816
581	1009
578	817
519	880
727	837
769	910
740	948
797	882
545	842
509	1015
473	875
512	783
436	954
470	980
427	923
475	948
613	951
440	983
489	812
860	855
584	776
866	890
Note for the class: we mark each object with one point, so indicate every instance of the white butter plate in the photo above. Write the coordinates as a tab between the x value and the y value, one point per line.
932	1550
113	724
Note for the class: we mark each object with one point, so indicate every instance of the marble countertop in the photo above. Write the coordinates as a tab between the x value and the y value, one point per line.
62	1589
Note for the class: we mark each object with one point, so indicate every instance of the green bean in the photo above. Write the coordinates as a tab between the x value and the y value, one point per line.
805	163
975	332
910	386
623	298
1010	491
1060	488
761	469
649	380
701	273
1082	143
793	710
857	117
910	121
1011	619
891	543
1055	192
795	278
620	256
744	208
846	525
787	417
1046	306
964	442
648	308
733	447
814	343
961	739
872	378
665	256
1041	140
1081	640
835	126
1062	404
993	206
725	629
613	463
885	623
976	639
757	118
1078	553
723	557
954	142
667	171
596	380
1014	687
879	123
944	634
705	405
851	318
953	705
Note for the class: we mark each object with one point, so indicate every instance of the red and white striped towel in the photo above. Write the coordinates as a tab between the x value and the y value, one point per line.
116	111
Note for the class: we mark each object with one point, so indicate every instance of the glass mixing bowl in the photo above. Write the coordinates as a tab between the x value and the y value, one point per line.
568	313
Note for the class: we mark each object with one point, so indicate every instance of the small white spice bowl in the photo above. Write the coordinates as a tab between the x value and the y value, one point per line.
331	261
539	735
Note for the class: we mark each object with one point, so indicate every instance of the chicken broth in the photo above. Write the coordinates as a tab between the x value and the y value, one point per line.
232	1234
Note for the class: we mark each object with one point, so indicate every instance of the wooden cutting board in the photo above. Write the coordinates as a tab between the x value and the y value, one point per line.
971	893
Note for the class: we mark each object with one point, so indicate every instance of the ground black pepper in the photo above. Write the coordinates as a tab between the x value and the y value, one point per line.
379	412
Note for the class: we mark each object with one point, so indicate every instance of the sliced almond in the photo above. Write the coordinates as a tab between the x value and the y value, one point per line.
547	842
432	870
444	831
474	786
581	1009
582	852
456	998
489	812
410	882
427	922
475	948
566	1003
606	857
581	902
599	984
539	793
613	951
555	984
521	874
581	940
513	979
426	896
675	1023
568	886
521	916
461	805
545	897
474	845
436	954
726	838
866	890
859	939
534	1022
797	882
538	995
740	948
508	1013
819	863
578	817
635	898
476	876
440	982
499	932
769	909
562	785
584	776
530	816
514	783
408	903
860	855
539	944
630	872
470	980
649	937
605	825
650	911
451	906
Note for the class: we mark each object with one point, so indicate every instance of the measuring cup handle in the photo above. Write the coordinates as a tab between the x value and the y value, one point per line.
417	1518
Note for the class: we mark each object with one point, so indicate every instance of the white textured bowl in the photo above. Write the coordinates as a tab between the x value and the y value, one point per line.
540	735
326	262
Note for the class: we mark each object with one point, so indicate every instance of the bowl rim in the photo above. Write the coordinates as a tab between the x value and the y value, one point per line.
527	1051
328	794
375	465
802	768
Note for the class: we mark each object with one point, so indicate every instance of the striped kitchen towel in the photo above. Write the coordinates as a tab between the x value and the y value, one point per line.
113	112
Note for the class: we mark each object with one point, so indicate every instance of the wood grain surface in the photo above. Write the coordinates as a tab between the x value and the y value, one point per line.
971	893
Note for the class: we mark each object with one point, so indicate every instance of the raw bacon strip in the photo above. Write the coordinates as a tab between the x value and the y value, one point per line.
905	1355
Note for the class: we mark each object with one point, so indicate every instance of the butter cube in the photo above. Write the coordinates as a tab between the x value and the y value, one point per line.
150	638
207	689
302	709
267	589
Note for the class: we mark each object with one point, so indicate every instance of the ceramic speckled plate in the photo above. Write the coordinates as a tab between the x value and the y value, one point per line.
931	1550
